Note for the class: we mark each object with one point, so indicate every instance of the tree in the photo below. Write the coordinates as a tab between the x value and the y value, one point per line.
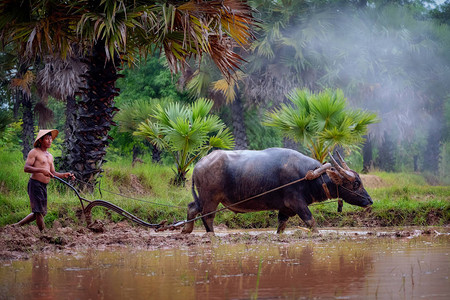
442	12
63	79
204	80
279	60
5	120
187	132
22	83
368	52
320	121
231	91
386	155
107	32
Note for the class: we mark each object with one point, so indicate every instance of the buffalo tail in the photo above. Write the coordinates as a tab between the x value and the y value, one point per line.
196	198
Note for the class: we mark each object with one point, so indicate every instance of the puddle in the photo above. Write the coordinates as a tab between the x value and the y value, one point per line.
412	267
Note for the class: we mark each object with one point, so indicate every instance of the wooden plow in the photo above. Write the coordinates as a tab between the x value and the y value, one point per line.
93	203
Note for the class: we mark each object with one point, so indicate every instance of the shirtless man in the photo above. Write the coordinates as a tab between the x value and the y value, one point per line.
40	164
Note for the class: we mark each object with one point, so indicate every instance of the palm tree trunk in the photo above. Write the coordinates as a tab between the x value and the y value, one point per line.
17	103
367	155
239	130
156	154
27	125
431	154
95	111
69	131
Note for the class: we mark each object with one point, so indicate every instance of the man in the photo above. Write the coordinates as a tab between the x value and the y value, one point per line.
40	164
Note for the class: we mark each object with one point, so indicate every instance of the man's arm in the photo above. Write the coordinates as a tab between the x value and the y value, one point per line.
30	168
60	175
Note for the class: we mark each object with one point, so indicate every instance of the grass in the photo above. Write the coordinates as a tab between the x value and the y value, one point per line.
404	200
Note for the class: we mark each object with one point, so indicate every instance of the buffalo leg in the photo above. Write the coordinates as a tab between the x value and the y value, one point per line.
305	214
193	211
208	222
208	215
282	222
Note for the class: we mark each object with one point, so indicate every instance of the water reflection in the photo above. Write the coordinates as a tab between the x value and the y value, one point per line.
40	283
292	271
352	269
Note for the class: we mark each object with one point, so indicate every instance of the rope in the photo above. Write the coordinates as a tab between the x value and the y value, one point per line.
355	193
178	224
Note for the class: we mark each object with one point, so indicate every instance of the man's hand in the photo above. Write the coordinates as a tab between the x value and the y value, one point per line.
68	174
47	173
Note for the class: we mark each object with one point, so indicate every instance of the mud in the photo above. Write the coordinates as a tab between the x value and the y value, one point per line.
22	242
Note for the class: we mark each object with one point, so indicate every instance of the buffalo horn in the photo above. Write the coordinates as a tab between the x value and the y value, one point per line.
347	174
311	175
333	161
341	160
319	171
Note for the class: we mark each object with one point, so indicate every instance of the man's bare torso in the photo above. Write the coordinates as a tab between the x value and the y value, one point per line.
42	159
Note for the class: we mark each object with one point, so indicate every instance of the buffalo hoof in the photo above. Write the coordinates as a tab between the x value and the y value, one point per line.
312	225
186	230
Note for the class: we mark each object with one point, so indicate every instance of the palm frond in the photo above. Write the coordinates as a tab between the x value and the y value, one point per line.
153	132
24	83
198	83
223	139
201	108
228	87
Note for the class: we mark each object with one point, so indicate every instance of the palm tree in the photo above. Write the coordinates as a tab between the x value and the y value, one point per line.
277	62
187	132
205	81
365	50
63	79
22	83
320	121
231	90
107	32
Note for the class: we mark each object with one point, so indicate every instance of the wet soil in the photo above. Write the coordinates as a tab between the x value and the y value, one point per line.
22	242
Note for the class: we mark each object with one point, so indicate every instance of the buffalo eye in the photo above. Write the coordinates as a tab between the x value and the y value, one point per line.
356	185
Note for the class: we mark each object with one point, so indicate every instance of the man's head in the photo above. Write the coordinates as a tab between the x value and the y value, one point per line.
42	133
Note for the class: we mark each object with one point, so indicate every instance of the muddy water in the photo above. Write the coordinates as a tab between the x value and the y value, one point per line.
352	268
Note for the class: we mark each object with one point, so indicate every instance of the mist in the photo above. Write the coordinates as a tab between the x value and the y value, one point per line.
387	61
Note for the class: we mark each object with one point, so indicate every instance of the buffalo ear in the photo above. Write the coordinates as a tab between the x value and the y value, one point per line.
334	175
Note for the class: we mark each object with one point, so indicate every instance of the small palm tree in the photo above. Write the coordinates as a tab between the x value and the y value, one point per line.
186	132
320	121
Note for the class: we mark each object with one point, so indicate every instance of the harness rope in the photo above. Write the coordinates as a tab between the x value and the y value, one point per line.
162	226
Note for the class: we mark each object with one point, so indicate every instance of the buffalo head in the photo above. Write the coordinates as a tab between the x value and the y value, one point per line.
350	186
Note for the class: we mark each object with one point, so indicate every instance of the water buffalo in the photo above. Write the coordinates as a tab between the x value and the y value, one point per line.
228	177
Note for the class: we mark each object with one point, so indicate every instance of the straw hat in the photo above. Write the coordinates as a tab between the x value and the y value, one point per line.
41	133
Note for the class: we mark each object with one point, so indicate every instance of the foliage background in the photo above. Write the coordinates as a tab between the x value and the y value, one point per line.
390	57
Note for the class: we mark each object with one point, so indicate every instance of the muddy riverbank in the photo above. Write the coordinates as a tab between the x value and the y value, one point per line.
22	242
